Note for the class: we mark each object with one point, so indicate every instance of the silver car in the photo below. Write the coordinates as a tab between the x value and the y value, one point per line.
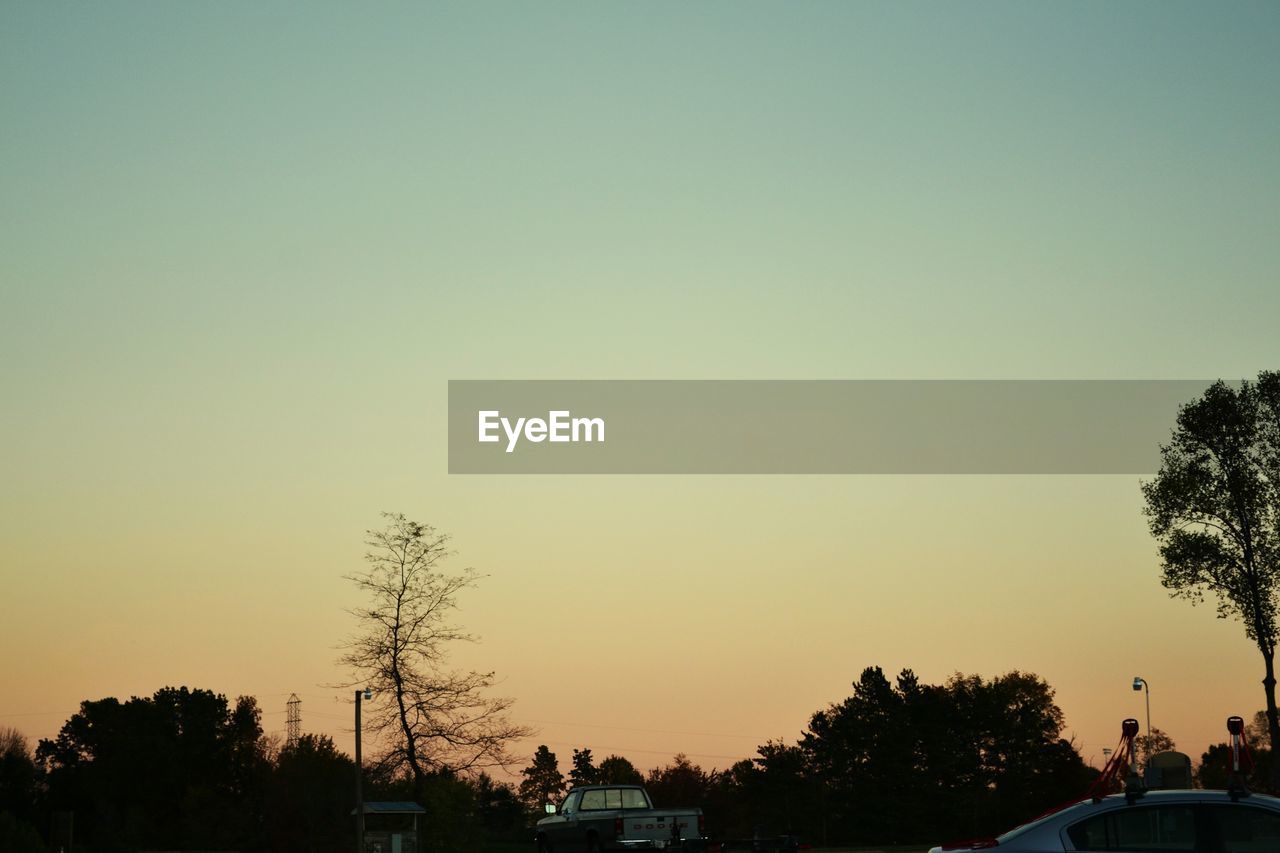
1164	821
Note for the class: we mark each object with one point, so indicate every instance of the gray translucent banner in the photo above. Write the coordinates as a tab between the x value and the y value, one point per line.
812	426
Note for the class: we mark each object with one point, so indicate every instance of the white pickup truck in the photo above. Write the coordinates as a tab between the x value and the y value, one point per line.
596	818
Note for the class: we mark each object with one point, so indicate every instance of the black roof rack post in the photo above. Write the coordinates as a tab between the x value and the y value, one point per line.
1111	772
1236	785
1134	786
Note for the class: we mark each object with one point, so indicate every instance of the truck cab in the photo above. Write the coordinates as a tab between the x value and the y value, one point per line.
597	818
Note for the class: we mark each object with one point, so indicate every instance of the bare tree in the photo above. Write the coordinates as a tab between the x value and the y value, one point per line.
431	718
14	743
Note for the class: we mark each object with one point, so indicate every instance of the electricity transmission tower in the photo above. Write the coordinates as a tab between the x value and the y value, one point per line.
293	720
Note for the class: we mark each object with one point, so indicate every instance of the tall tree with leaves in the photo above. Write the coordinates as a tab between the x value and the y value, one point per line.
616	770
431	719
681	781
966	758
584	771
1152	743
19	789
543	782
1214	507
182	769
309	797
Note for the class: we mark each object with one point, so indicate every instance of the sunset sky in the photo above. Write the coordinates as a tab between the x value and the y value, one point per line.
244	248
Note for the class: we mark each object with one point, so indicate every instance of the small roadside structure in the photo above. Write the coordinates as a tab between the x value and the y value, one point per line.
391	827
1167	770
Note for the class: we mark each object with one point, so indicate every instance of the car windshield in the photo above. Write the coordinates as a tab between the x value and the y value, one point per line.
1030	825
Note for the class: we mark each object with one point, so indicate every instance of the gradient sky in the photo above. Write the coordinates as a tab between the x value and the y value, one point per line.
243	248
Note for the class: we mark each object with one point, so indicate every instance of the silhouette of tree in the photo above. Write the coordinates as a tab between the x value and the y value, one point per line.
616	770
435	720
1214	507
856	748
450	801
972	757
583	772
498	810
19	788
309	798
19	836
1029	765
179	769
543	783
680	783
771	794
1214	769
1255	731
1152	743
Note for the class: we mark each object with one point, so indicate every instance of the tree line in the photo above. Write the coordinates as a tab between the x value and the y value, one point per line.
188	769
896	761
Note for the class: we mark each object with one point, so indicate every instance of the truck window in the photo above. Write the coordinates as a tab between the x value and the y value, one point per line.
633	798
613	798
592	800
570	803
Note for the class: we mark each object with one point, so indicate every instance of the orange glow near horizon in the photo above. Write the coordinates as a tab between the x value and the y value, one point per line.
247	247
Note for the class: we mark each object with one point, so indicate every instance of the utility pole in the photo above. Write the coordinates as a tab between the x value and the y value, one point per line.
360	694
1140	683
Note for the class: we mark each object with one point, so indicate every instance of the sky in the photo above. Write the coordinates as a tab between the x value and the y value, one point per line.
244	247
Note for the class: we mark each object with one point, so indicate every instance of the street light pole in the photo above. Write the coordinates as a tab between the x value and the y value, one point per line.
365	694
1141	684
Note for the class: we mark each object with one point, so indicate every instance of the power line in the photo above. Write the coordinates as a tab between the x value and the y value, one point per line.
622	749
758	738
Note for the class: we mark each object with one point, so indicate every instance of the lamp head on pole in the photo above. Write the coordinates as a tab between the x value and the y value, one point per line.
1138	682
368	694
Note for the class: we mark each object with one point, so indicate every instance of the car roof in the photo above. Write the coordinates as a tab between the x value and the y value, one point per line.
598	787
1193	795
1053	821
